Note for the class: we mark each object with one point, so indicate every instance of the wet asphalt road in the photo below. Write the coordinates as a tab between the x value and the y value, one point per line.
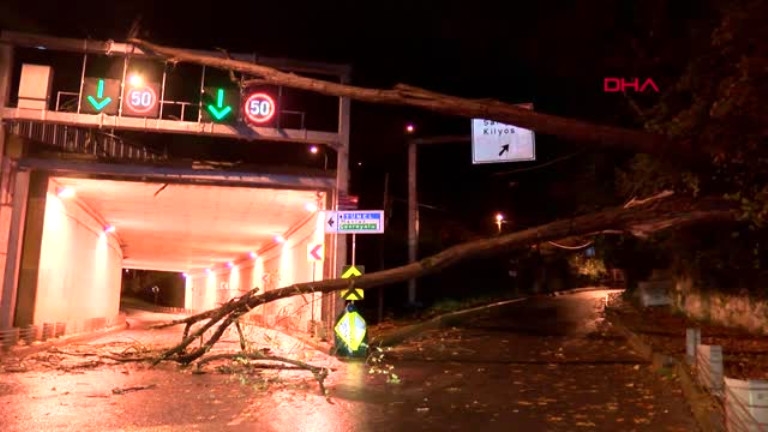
548	364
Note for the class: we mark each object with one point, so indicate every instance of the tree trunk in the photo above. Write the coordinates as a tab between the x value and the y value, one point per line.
605	136
650	215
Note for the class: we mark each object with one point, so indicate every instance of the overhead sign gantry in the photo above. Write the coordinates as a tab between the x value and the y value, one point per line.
134	103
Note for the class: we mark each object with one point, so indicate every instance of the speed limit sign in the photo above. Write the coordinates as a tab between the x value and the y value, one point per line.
259	108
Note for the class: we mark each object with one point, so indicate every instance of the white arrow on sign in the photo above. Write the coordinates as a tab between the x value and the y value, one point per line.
331	227
315	252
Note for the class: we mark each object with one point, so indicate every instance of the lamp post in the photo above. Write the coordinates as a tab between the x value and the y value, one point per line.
315	150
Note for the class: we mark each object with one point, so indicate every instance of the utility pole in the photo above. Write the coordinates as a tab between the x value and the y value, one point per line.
383	243
413	201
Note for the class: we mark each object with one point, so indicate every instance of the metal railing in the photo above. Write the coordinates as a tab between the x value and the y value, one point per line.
83	141
48	331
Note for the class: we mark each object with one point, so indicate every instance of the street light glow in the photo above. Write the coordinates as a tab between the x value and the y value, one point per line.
311	207
313	149
410	128
279	239
136	80
109	229
499	217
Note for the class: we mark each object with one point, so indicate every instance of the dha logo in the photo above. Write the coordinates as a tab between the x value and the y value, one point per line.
615	85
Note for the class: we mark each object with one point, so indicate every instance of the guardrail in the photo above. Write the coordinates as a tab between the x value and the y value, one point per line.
744	402
15	336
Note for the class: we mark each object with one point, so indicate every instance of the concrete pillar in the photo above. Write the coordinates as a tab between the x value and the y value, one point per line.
15	225
32	242
6	208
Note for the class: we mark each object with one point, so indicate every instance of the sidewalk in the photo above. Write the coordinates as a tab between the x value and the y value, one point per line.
745	355
659	333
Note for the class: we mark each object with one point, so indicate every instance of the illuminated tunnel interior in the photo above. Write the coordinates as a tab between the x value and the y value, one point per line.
222	240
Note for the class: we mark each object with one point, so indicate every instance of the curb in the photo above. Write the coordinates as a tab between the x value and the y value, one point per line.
64	340
400	335
698	400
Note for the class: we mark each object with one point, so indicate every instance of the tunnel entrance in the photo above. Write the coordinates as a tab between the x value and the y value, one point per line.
203	243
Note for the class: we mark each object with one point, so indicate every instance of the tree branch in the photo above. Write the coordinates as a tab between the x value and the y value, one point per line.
606	136
320	373
644	216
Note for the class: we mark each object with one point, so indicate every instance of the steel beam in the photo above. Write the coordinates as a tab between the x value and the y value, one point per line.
44	42
172	126
71	168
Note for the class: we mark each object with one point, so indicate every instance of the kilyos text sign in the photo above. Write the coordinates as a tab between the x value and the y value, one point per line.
494	142
354	222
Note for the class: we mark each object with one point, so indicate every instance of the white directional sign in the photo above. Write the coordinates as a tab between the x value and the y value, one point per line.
354	222
494	142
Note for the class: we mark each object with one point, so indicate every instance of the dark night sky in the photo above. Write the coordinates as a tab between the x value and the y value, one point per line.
554	54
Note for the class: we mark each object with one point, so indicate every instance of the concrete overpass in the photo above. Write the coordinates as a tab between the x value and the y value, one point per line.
70	225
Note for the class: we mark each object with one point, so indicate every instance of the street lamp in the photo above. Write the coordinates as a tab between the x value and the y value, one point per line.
499	221
315	150
410	128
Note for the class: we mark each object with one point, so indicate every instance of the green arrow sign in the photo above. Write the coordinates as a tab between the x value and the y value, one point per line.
99	102
220	110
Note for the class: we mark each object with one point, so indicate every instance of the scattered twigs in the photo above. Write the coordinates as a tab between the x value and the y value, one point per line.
319	373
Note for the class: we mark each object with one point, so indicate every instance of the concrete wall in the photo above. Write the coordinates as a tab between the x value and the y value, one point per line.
729	310
277	266
80	265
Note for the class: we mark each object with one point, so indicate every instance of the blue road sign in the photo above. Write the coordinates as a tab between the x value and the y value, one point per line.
354	222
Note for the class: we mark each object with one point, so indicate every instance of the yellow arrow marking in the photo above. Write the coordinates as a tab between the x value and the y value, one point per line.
351	271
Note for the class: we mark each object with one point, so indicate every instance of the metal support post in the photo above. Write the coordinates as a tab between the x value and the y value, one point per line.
82	82
162	90
122	87
342	187
354	248
200	100
413	217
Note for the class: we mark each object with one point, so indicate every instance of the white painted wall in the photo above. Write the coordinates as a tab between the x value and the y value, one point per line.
80	268
277	266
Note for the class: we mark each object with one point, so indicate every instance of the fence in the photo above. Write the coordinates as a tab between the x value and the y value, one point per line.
745	402
95	142
47	331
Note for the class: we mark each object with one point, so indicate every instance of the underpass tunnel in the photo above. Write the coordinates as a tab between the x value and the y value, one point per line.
224	240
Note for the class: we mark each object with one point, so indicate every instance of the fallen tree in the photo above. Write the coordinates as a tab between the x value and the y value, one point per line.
640	218
571	129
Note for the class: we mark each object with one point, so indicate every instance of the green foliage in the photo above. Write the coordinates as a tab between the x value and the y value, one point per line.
593	268
716	105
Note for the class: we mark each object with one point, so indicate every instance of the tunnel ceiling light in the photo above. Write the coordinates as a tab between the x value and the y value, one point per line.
230	264
311	207
253	255
66	192
279	239
110	229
